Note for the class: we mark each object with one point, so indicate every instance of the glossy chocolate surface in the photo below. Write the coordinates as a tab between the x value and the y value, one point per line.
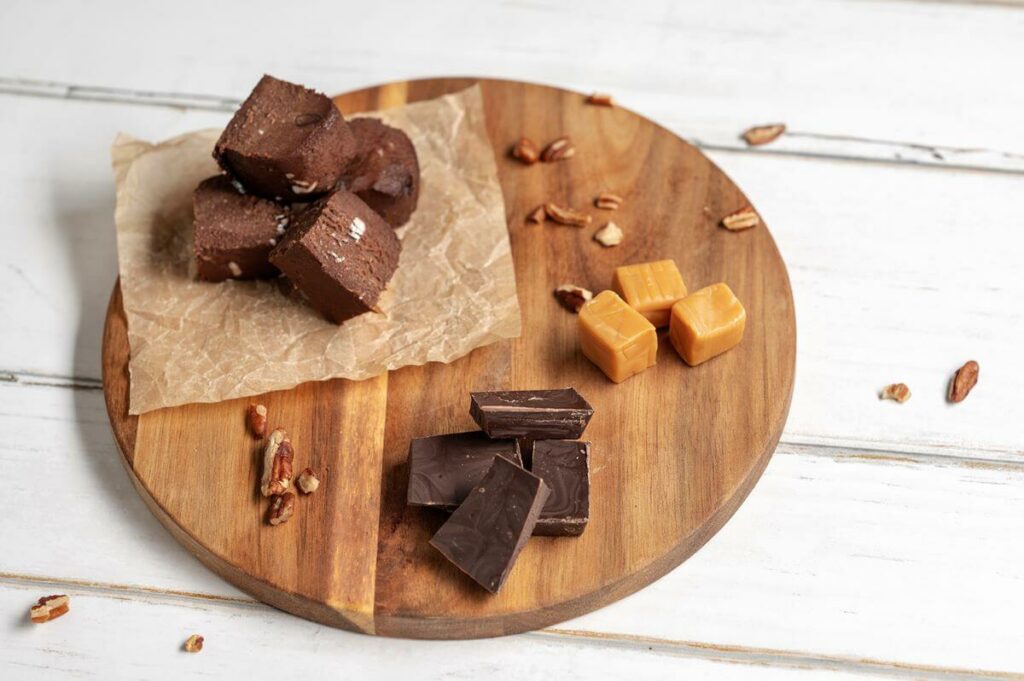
535	414
444	468
564	465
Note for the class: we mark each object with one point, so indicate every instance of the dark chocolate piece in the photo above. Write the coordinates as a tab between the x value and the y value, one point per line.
538	414
286	142
444	468
484	536
234	232
564	466
385	173
339	254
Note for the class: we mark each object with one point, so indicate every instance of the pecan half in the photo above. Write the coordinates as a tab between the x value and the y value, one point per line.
307	481
538	215
566	216
49	608
558	150
257	416
194	643
277	464
896	391
763	134
608	201
600	99
609	235
526	151
281	509
963	381
572	297
744	218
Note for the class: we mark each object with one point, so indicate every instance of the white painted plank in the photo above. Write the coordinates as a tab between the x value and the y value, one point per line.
833	554
885	71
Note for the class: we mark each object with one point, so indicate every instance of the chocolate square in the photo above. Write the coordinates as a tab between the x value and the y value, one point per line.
444	468
564	465
485	535
286	142
534	414
339	254
234	232
385	173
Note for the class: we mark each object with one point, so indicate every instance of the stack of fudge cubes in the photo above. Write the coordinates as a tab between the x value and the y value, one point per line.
307	196
523	473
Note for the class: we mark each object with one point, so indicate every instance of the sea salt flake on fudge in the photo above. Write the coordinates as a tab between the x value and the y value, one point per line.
286	142
386	172
564	466
339	254
234	232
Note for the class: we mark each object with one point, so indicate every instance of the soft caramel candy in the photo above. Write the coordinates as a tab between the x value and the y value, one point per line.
617	338
650	288
706	323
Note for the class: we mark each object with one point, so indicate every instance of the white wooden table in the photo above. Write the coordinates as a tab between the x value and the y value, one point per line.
884	540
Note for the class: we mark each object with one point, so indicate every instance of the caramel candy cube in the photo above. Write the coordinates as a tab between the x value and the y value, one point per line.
650	288
617	338
706	323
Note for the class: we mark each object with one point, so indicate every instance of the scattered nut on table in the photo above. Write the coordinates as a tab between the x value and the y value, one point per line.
281	509
257	414
963	381
538	215
307	481
566	216
526	151
600	99
558	150
194	643
744	218
763	134
609	235
573	297
49	608
277	464
898	392
608	201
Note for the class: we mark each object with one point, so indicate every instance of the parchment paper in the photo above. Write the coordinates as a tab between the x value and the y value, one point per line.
193	341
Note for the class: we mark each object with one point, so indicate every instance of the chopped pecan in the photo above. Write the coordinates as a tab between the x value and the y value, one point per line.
281	509
277	464
538	215
257	414
608	201
526	151
600	99
307	481
896	391
558	150
744	218
194	643
572	297
566	216
49	608
763	134
963	381
609	235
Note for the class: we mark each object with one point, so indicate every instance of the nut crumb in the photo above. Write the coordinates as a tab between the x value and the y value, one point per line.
194	643
526	151
558	150
257	416
277	464
281	509
609	235
600	99
573	297
49	608
537	216
963	381
566	216
307	481
896	391
608	201
235	270
763	134
744	218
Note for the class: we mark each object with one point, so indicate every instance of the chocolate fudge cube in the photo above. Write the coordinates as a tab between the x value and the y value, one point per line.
385	173
444	468
339	254
234	232
286	142
564	465
484	536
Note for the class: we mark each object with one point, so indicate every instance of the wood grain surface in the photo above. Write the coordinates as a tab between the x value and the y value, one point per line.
675	449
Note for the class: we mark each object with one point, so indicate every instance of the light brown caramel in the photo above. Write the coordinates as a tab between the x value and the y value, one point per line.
650	288
617	338
706	323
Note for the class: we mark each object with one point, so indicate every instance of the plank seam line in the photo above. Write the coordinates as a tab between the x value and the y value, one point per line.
26	87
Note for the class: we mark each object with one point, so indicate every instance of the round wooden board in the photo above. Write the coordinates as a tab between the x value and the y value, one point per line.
675	449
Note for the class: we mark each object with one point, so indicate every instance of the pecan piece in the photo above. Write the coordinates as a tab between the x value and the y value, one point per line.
572	297
600	99
526	151
744	218
896	391
49	608
277	464
194	643
963	381
763	134
608	201
538	215
566	216
307	481
609	235
257	416
281	509
558	150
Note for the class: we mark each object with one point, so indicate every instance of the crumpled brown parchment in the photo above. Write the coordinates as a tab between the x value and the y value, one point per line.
193	341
